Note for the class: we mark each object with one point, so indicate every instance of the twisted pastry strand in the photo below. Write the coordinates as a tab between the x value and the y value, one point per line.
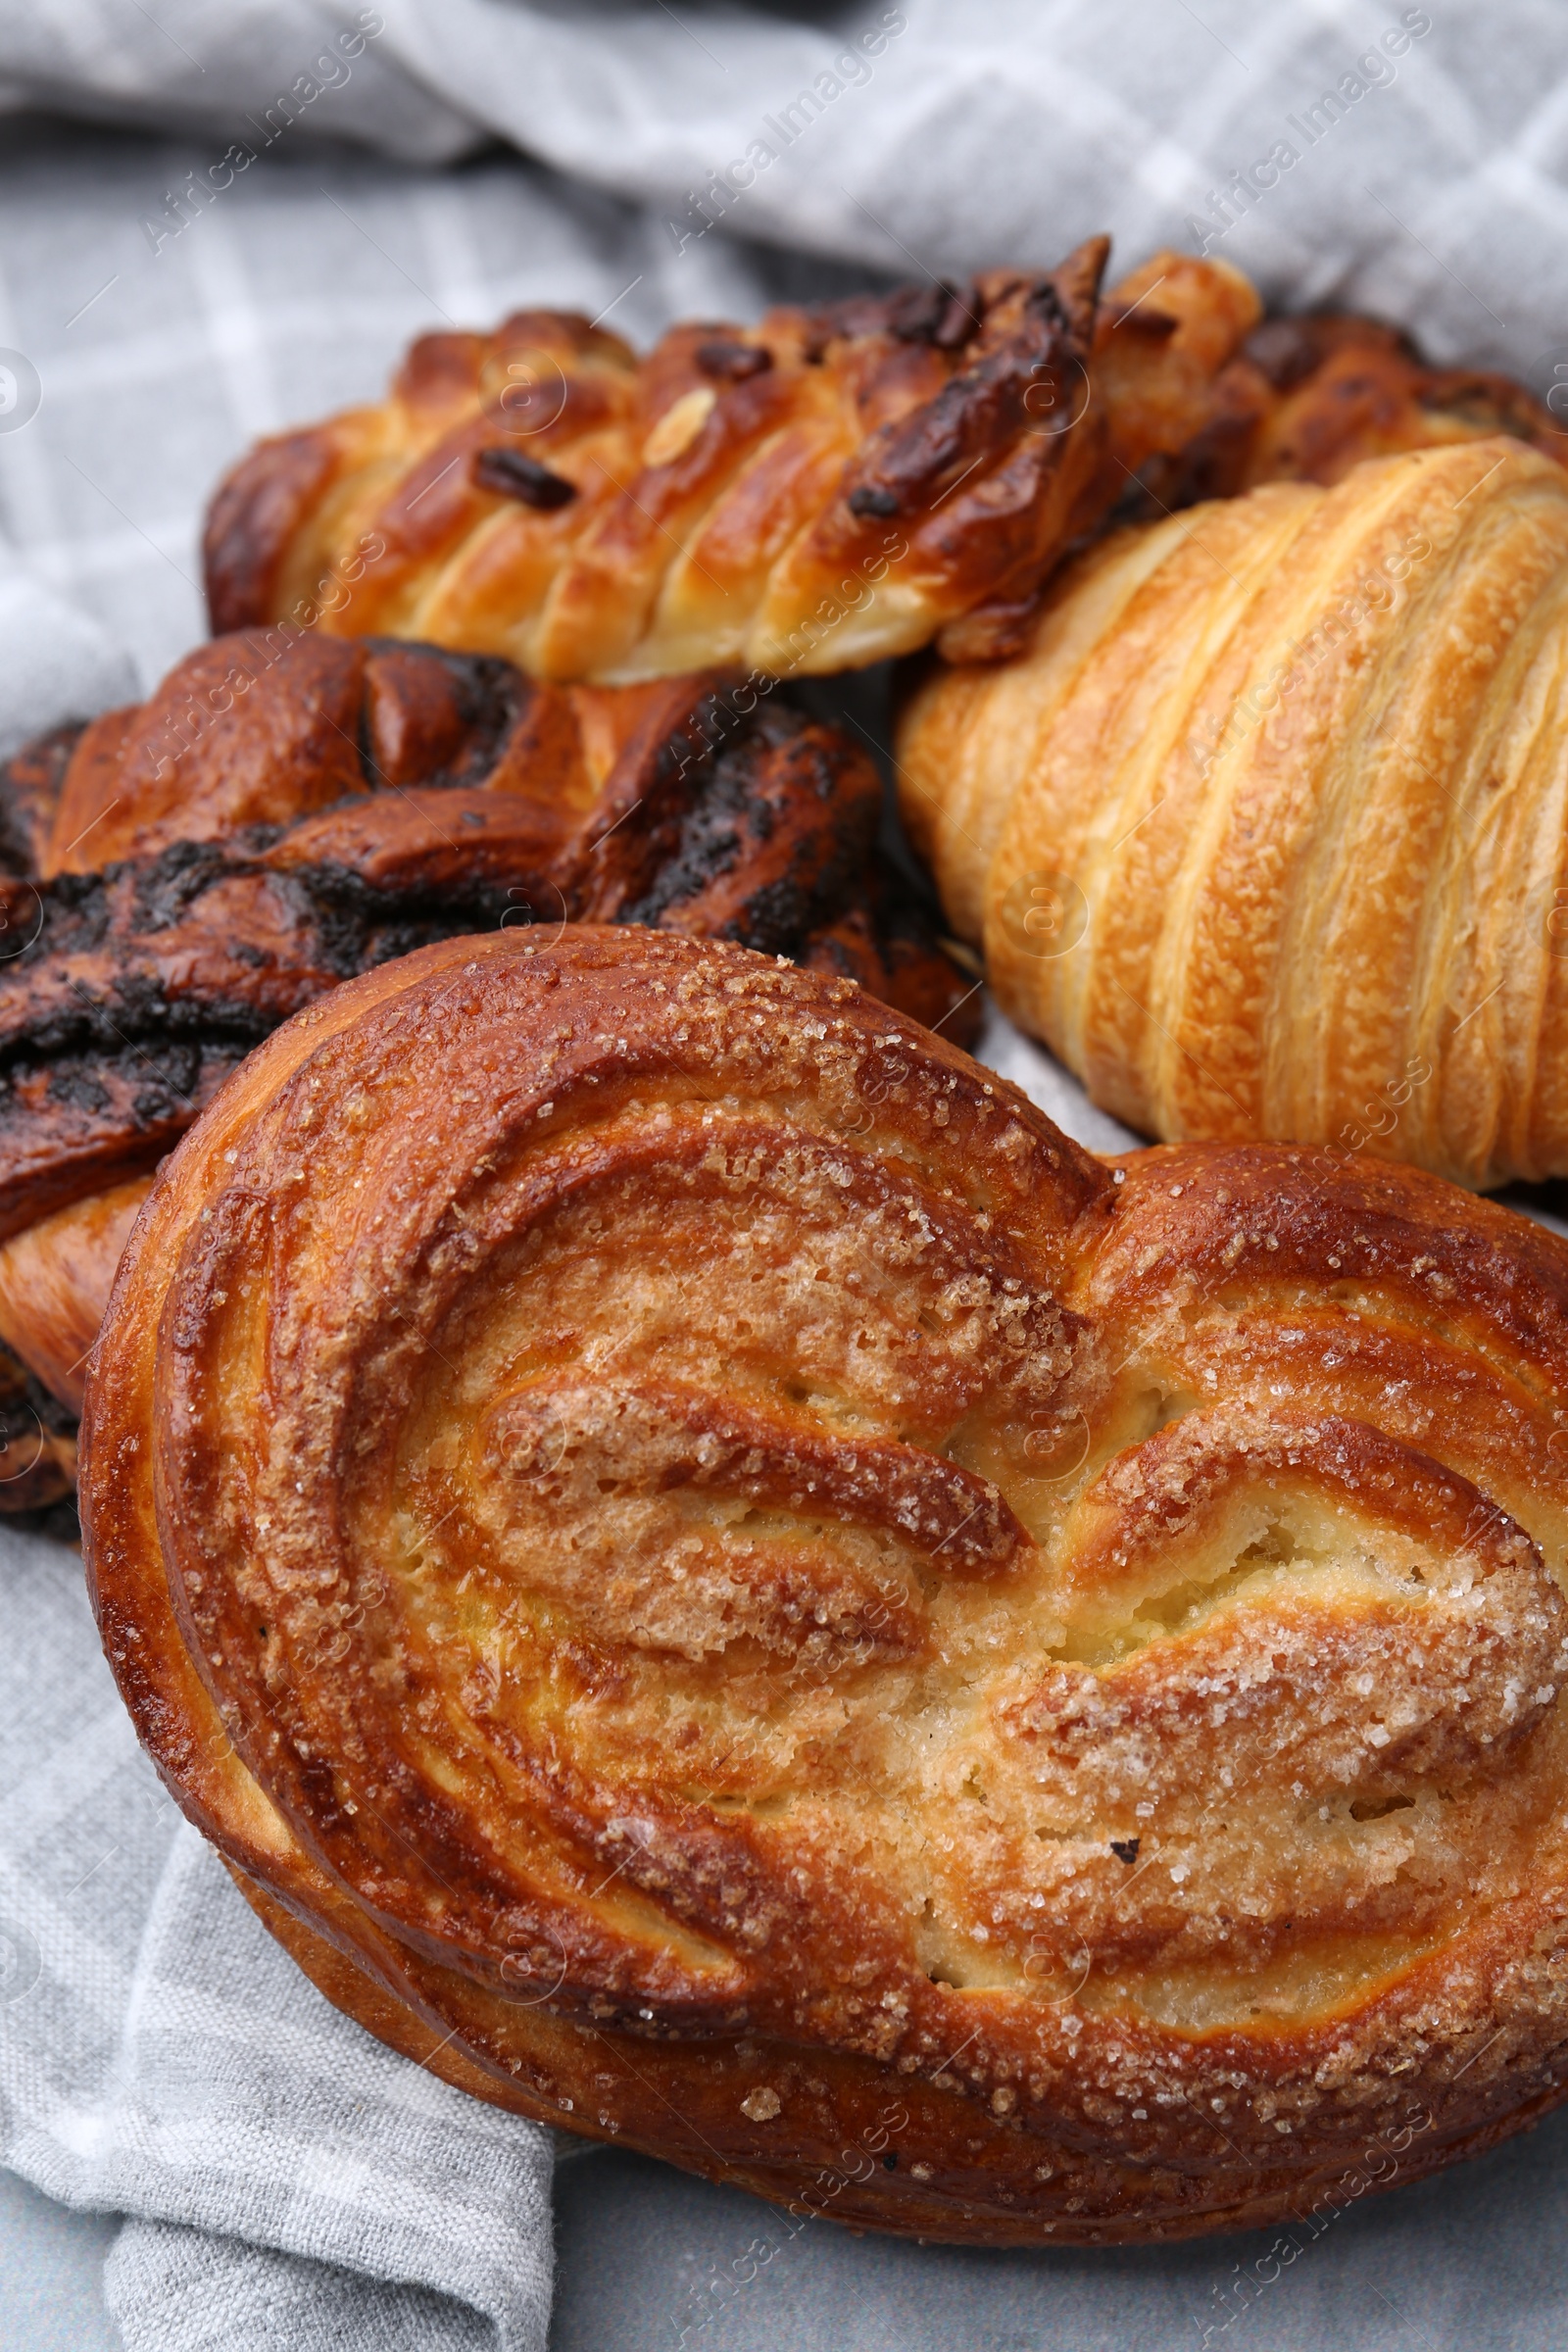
287	811
832	486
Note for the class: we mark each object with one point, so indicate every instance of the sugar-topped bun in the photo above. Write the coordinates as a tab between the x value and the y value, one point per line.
722	1583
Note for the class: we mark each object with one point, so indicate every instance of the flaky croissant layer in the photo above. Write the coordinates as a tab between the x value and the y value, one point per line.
722	1583
1267	833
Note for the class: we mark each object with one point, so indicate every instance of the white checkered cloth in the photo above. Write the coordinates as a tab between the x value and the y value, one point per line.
973	135
1412	159
294	2184
161	2057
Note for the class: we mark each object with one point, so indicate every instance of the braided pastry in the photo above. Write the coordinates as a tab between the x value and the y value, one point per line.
835	485
721	1583
284	814
1267	834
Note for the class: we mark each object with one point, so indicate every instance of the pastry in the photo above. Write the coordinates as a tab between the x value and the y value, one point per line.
1267	832
808	495
1307	397
831	486
721	1583
37	1452
287	811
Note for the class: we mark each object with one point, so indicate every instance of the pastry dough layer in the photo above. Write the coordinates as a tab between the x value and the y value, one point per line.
1266	835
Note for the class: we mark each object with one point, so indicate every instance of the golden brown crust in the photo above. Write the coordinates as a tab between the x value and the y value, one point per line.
363	800
55	1281
723	1584
288	809
1267	834
832	486
1307	398
256	514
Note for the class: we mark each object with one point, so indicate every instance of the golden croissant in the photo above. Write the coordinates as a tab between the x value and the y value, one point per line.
721	1584
836	484
1267	832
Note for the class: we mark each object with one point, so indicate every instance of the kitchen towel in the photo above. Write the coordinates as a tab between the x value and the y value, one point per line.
1408	160
320	182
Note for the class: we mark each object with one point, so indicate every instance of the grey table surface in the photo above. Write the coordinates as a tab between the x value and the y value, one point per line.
640	2245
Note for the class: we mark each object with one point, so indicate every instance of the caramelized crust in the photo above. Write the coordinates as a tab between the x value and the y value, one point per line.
832	486
1308	398
288	810
1267	833
55	1280
723	1585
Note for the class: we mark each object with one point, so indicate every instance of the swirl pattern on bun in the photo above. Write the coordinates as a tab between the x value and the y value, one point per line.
721	1582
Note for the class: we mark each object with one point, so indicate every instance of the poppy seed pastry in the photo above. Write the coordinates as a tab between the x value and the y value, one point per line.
721	1583
286	811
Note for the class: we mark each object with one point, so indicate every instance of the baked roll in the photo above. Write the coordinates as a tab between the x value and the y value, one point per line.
834	485
1307	397
287	811
721	1584
1267	833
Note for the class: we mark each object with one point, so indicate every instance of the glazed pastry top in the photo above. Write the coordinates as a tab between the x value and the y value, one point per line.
621	1462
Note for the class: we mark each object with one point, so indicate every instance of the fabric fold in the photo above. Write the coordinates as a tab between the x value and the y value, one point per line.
161	2057
1405	160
